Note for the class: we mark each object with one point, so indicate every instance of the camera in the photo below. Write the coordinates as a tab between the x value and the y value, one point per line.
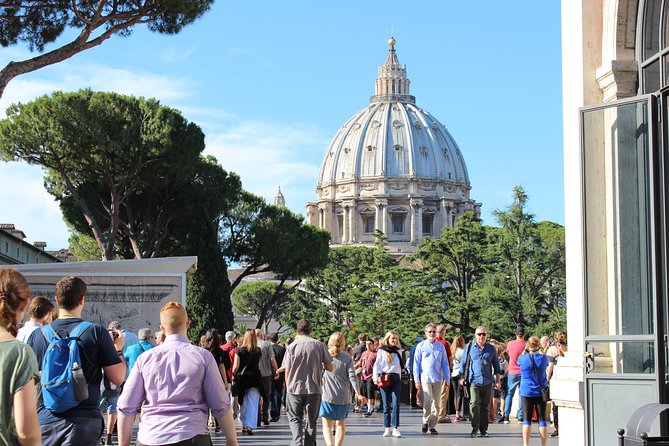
114	334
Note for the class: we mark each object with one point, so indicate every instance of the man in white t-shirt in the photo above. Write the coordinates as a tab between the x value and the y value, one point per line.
40	314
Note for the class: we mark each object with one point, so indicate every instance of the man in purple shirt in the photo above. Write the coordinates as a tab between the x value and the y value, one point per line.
178	384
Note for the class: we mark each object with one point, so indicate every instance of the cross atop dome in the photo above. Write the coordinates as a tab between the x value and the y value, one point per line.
392	84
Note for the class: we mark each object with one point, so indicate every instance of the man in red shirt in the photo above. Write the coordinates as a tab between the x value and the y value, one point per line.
445	385
366	362
514	348
230	348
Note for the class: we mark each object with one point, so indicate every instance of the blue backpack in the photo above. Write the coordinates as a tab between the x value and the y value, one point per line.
57	380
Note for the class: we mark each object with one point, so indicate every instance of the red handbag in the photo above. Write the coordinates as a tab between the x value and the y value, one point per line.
383	380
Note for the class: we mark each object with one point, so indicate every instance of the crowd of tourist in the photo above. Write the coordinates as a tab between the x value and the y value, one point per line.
182	391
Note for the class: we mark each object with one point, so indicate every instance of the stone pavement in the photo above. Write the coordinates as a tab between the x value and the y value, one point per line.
361	431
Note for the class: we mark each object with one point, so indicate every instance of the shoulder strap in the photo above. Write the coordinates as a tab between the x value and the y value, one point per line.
536	372
80	329
467	361
49	333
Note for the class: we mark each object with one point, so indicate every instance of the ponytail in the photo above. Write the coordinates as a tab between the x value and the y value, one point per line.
14	296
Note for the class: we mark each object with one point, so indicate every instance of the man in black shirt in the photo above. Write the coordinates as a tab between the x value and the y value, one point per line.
276	397
81	425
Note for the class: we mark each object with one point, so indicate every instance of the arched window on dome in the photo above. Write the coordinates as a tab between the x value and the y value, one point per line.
653	47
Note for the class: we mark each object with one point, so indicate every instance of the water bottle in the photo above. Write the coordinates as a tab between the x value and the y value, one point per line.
80	384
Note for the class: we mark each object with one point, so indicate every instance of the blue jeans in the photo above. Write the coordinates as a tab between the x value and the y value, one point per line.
276	398
514	383
391	402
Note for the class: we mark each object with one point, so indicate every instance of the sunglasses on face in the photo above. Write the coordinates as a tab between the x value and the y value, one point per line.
481	334
430	331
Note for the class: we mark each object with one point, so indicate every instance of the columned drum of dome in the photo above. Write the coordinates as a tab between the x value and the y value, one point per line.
392	167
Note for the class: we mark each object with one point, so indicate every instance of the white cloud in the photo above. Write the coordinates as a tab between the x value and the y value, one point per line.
268	155
71	76
25	203
179	54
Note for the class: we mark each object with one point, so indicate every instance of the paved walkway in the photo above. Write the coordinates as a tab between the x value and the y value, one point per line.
361	431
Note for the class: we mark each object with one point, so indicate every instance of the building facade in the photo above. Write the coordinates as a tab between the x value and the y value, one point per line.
392	167
15	250
616	116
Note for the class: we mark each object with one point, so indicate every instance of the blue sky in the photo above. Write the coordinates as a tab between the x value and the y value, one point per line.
270	83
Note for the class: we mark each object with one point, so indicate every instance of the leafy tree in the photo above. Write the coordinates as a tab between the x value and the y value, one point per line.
363	290
518	242
452	264
264	300
267	238
99	150
208	289
526	283
83	246
39	23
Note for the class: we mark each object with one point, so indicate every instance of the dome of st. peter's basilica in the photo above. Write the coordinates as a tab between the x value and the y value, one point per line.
393	167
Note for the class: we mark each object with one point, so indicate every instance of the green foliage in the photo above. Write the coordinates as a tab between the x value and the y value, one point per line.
208	289
83	247
264	300
452	263
468	276
38	23
266	238
122	168
362	290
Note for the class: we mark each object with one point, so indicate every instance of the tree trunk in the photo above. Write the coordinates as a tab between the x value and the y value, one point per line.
81	43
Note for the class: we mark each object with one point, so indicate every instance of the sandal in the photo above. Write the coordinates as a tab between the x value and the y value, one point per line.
249	431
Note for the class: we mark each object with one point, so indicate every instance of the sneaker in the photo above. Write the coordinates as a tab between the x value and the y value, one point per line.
483	434
504	420
387	432
423	428
368	414
473	434
396	433
520	419
554	434
433	431
447	419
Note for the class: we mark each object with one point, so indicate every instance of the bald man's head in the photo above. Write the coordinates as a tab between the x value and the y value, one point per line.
173	318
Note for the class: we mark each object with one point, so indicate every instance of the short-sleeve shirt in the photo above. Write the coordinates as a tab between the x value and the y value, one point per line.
279	353
18	365
266	359
367	361
305	358
337	383
531	381
515	349
96	349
